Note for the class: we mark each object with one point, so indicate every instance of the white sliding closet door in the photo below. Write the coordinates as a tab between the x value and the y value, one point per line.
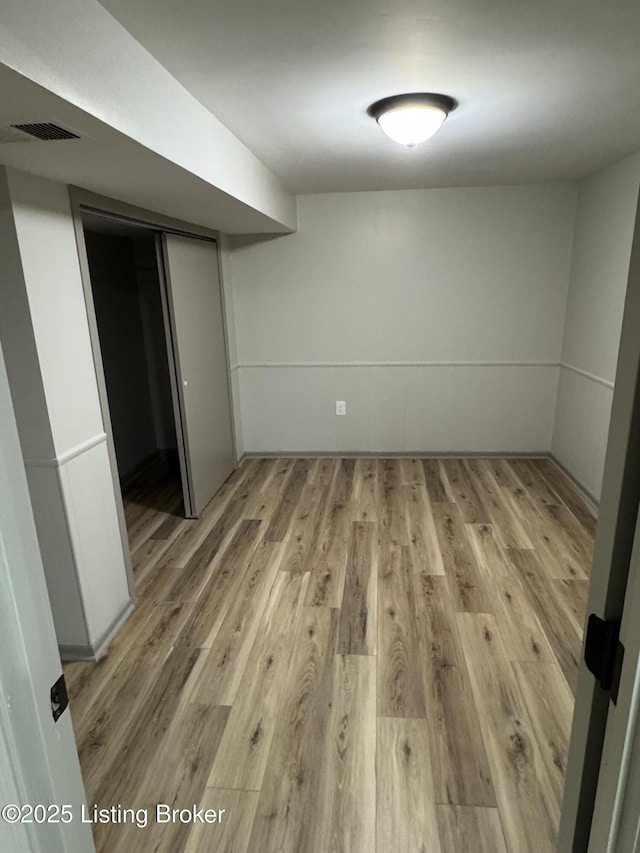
197	327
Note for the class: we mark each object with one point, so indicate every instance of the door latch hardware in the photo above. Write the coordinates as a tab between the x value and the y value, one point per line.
603	652
59	698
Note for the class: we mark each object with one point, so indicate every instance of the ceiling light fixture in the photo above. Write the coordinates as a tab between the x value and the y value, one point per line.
412	119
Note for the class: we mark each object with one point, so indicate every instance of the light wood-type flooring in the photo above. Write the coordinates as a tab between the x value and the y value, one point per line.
351	655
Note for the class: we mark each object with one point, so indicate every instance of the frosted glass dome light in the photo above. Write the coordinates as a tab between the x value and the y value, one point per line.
411	119
412	125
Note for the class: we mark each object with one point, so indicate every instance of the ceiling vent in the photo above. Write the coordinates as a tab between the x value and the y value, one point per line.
46	131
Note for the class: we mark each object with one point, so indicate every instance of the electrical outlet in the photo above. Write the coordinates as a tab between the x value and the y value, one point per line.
341	407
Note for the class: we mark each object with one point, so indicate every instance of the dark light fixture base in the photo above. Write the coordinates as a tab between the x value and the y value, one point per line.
425	99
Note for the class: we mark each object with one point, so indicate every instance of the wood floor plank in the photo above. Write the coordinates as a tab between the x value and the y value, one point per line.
525	795
358	612
154	628
214	542
194	574
105	724
231	834
192	535
242	757
503	473
502	515
533	484
549	703
283	514
438	488
580	542
366	486
521	630
464	492
346	797
344	480
560	557
189	748
226	660
406	819
568	494
262	500
305	529
255	474
565	557
188	536
156	586
129	765
468	829
460	767
291	781
563	630
412	472
148	553
400	677
460	566
392	523
421	530
209	609
329	562
574	593
281	689
323	471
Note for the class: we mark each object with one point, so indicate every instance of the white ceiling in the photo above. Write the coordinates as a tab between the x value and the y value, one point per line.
114	165
548	89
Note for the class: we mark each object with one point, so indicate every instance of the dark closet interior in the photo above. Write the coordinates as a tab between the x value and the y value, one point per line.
126	289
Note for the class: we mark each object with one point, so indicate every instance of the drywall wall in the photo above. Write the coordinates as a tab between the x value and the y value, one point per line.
437	315
122	345
604	228
63	441
36	439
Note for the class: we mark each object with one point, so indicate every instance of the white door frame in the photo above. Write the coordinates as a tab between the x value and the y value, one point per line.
102	394
612	556
38	757
616	816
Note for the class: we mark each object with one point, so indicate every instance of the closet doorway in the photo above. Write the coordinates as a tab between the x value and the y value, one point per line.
156	315
125	286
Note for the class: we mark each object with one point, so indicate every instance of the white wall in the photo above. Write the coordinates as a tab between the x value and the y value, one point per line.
436	314
44	322
600	266
30	405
